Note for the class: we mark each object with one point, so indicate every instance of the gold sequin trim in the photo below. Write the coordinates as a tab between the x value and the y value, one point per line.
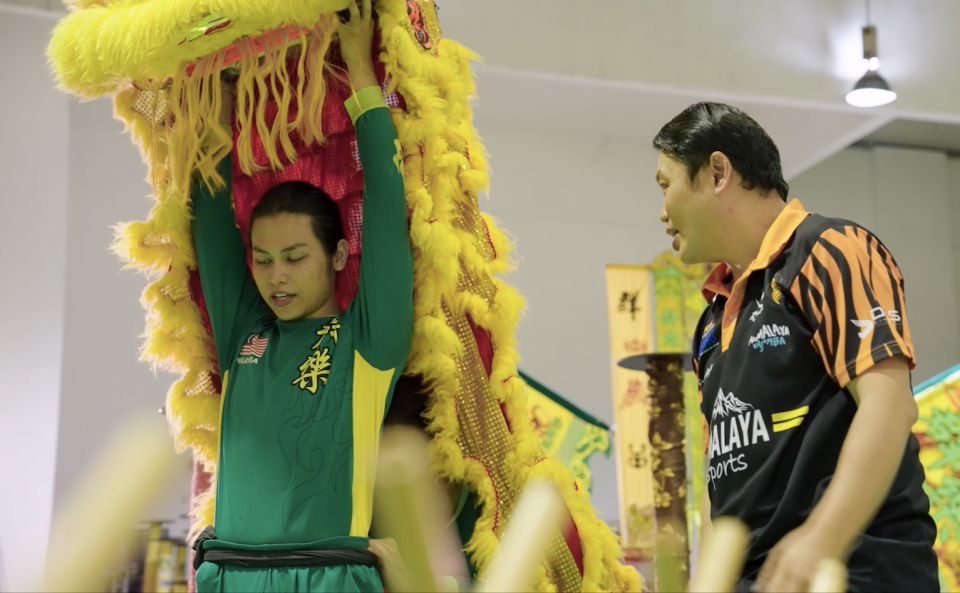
153	105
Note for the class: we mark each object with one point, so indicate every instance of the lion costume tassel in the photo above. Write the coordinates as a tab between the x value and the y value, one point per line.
161	60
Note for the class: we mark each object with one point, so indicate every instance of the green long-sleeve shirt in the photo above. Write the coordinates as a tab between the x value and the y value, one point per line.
303	401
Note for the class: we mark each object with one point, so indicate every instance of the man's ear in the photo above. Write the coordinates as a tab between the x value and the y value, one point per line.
340	257
722	174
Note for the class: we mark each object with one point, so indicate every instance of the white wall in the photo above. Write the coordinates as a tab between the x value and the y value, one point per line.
953	169
33	224
573	204
905	197
103	380
69	368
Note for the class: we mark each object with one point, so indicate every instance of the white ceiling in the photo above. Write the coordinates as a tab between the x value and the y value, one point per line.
806	133
917	134
623	68
795	49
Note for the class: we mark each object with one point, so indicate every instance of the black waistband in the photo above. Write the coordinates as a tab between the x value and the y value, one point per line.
327	557
322	557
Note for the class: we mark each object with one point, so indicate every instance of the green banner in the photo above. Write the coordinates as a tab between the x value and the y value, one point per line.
567	433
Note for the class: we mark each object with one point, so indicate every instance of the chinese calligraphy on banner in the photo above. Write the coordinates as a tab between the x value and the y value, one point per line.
630	302
652	308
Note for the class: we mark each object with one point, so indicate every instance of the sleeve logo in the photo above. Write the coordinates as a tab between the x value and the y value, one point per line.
877	317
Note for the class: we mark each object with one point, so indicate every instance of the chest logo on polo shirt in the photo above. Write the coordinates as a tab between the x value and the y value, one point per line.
734	425
755	314
253	348
708	341
769	335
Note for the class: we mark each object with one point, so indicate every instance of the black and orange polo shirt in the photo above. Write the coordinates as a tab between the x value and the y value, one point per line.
822	303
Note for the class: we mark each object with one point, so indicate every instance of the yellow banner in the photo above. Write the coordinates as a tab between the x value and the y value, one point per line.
629	305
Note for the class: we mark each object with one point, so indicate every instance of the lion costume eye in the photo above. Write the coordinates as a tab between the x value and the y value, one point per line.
419	24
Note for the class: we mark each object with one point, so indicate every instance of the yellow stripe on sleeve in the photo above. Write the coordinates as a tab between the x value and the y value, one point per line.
223	390
370	387
790	415
788	425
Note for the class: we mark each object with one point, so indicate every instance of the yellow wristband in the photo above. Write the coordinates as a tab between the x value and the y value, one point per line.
364	100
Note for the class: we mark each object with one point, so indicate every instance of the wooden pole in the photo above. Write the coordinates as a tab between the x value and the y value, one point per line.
667	436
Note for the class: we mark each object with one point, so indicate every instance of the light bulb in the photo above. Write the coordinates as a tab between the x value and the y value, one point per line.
870	97
871	91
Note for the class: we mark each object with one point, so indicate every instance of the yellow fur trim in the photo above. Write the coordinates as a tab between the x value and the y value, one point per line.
445	169
602	570
204	509
484	543
91	50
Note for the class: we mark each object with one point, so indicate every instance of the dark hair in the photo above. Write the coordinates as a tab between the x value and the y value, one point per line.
409	403
706	127
299	197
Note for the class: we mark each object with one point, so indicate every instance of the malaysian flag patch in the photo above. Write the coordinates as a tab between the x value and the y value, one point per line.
253	348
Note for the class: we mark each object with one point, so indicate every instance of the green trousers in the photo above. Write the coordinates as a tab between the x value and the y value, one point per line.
229	578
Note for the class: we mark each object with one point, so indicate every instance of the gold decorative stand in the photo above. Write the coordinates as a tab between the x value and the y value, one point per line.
667	451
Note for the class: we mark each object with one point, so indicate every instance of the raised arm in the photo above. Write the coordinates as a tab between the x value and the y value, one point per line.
383	307
231	295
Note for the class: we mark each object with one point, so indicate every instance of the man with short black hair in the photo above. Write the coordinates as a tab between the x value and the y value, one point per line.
803	356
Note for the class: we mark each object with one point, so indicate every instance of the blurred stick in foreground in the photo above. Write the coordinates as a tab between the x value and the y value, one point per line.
722	558
669	561
406	497
123	482
524	544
